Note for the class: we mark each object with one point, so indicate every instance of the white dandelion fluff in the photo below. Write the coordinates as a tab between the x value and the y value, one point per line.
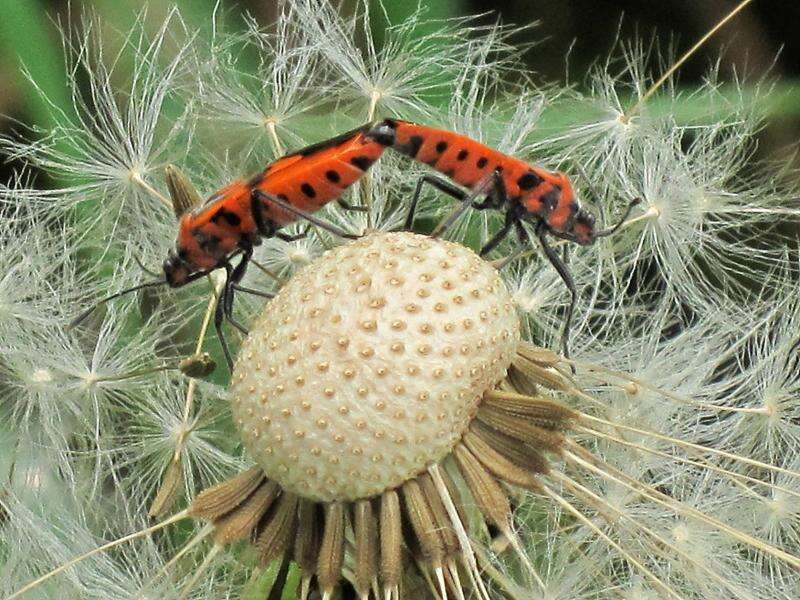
664	465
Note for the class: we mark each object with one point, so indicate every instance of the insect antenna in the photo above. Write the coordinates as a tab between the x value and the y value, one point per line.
143	268
626	214
81	317
622	219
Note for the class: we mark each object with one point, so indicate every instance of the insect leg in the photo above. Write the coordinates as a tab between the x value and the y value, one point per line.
145	269
234	276
219	315
496	197
238	274
283	205
566	277
524	239
440	184
491	186
613	229
347	206
247	290
500	235
81	317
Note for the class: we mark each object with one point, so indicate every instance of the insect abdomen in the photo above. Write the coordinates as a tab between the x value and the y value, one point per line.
546	195
314	180
456	156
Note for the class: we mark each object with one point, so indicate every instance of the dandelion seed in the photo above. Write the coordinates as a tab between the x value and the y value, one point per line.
108	149
278	93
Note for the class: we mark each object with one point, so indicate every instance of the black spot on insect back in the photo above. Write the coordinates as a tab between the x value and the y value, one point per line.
230	218
529	181
550	200
441	147
482	162
332	176
462	155
208	242
308	190
362	162
413	146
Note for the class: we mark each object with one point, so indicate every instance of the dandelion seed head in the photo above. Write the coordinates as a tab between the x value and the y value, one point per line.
528	302
333	414
273	97
41	376
298	256
639	590
781	508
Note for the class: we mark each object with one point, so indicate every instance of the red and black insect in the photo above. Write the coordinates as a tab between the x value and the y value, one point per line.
236	218
493	180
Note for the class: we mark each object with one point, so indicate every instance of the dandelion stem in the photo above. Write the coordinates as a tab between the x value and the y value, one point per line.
202	534
134	374
651	213
366	186
509	586
374	98
273	134
440	580
679	442
136	178
625	554
612	474
452	568
520	552
581	394
200	571
677	65
141	533
190	390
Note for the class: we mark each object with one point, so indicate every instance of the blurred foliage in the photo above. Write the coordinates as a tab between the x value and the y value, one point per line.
568	37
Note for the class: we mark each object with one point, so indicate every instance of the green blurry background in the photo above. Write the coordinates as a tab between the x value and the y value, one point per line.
763	39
